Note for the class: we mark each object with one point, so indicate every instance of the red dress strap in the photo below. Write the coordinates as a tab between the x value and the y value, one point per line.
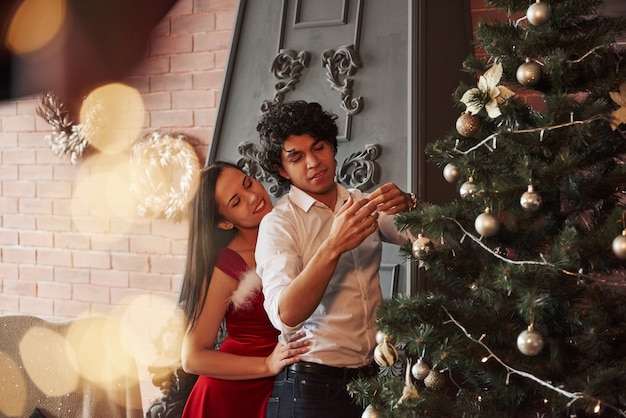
231	263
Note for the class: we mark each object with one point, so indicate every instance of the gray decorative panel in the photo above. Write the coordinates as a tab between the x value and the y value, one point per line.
316	13
287	67
360	170
336	28
387	68
344	61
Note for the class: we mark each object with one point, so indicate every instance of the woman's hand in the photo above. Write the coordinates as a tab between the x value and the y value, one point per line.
286	354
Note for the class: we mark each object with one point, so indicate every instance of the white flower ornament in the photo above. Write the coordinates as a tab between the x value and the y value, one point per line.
487	88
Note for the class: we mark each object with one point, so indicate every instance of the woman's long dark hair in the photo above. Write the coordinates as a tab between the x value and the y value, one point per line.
205	240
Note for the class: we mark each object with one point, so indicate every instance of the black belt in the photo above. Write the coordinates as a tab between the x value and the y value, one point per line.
347	373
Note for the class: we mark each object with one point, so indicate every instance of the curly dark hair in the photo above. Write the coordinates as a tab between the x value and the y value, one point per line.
292	118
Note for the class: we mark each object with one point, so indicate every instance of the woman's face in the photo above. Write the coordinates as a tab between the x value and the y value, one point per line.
242	200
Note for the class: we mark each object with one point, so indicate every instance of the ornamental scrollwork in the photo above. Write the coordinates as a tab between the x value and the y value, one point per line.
360	170
287	67
345	61
249	163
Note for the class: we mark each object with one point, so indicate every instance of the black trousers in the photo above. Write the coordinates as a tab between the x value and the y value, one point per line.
309	390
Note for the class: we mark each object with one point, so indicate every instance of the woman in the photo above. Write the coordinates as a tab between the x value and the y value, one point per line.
220	283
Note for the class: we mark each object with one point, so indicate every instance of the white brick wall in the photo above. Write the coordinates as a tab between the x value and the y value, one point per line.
59	260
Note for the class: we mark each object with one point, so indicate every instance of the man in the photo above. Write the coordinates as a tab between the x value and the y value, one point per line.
318	254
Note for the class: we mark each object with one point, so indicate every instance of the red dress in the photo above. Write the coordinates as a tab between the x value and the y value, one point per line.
250	333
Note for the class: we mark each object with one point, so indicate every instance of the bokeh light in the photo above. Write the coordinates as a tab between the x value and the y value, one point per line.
112	117
101	193
102	351
13	395
53	378
144	319
62	362
34	24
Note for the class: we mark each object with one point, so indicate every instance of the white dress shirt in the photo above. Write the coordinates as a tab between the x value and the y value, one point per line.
342	329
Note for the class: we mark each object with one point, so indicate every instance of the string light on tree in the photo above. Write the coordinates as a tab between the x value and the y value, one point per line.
501	251
451	173
487	224
538	13
467	124
529	73
530	200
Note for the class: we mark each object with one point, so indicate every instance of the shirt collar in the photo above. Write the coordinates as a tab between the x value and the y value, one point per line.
305	202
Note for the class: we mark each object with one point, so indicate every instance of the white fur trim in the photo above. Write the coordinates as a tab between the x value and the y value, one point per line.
249	285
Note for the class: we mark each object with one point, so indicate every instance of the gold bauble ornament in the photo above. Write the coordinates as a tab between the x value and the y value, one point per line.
385	354
467	124
538	13
529	73
434	380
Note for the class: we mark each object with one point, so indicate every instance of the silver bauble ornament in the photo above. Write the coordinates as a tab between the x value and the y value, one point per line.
487	224
468	189
420	369
619	245
467	124
529	73
530	342
451	173
530	200
538	13
370	412
385	354
421	246
434	380
382	337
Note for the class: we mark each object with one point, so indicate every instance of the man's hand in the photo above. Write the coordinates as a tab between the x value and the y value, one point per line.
354	222
389	199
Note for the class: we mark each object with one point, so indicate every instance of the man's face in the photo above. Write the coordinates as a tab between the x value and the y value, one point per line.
309	164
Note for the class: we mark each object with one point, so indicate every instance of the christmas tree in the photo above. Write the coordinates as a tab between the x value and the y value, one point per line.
528	318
